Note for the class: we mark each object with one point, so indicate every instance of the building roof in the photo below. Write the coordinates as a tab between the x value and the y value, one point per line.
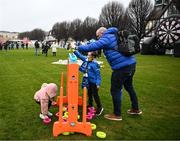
156	13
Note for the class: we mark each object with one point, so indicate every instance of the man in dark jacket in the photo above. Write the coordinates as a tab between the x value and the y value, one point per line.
123	70
36	44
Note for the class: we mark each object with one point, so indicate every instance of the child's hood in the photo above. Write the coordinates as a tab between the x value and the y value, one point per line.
51	89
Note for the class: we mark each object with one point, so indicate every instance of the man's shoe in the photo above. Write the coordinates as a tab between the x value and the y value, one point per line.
113	117
134	112
50	114
99	111
42	116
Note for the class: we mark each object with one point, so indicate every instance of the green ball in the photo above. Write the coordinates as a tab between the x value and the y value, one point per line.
93	126
101	134
66	133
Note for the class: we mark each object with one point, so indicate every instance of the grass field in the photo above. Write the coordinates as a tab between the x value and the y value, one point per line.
157	82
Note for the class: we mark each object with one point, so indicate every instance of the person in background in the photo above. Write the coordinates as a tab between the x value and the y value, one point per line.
26	45
12	45
36	44
22	45
17	45
54	48
0	46
46	48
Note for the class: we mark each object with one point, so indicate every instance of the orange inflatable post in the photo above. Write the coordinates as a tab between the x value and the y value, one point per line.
73	100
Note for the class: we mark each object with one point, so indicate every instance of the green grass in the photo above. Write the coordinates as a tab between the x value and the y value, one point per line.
157	82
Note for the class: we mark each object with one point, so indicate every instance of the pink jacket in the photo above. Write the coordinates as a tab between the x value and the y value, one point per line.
44	95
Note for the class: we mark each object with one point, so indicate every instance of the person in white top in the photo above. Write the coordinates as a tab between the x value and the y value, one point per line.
54	48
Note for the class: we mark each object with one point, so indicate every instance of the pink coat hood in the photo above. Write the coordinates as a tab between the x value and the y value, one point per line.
49	91
44	95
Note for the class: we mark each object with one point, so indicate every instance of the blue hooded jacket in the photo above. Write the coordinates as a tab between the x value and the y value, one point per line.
108	42
93	69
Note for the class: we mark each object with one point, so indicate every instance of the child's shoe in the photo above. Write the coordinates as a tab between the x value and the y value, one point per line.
42	116
99	111
50	114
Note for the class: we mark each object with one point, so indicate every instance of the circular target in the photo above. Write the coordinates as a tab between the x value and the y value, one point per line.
168	31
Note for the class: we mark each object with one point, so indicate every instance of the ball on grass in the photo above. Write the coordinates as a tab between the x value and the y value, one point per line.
93	126
101	134
66	133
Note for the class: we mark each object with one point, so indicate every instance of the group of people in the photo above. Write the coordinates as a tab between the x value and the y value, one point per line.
123	70
45	47
8	45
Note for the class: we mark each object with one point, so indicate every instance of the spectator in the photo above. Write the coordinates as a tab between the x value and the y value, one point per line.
17	45
36	47
5	45
54	50
46	48
12	45
26	45
0	46
22	45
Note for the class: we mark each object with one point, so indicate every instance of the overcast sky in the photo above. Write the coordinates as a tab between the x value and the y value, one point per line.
26	15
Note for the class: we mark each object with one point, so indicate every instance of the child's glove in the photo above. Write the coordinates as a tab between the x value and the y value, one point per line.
72	50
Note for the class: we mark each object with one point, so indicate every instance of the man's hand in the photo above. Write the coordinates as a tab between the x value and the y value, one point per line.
98	87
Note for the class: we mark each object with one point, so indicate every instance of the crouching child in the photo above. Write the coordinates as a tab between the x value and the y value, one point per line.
45	97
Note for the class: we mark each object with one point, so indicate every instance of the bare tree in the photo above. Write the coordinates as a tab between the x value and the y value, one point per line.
61	30
90	25
137	12
56	31
112	15
23	35
36	34
75	30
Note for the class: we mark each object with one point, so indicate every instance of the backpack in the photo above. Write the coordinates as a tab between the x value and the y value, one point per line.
128	44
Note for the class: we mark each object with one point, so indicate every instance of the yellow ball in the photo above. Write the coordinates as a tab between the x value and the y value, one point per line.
65	116
64	109
93	126
101	134
66	133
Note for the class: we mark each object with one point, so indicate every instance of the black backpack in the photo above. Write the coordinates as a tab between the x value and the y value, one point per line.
127	44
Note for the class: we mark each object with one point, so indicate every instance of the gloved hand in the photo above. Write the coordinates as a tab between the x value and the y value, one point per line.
71	50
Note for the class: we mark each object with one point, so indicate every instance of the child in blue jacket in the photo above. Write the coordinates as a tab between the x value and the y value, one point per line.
91	79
